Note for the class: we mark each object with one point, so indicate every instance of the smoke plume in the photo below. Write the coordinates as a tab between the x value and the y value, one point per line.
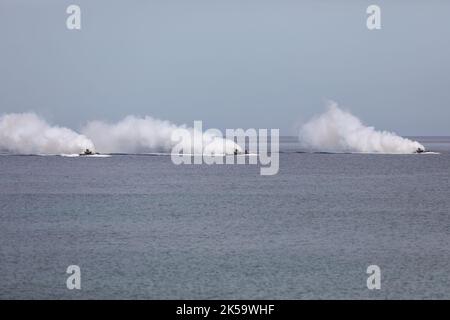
337	130
147	134
26	133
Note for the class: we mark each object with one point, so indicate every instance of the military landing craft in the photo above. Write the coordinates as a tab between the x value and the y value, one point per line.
88	152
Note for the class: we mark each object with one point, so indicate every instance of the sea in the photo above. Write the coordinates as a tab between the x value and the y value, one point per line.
140	227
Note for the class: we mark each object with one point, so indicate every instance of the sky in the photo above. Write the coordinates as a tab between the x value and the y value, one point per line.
231	64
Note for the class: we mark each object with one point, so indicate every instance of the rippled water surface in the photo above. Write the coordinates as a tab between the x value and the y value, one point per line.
141	227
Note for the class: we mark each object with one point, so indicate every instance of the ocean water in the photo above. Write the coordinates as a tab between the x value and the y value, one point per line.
141	227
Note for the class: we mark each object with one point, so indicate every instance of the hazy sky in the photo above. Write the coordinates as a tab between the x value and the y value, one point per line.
230	63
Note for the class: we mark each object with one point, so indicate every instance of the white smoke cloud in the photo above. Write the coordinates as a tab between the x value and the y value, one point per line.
143	135
131	135
337	130
26	133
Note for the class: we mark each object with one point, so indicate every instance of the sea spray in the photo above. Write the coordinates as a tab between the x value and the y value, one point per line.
27	133
146	134
337	130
